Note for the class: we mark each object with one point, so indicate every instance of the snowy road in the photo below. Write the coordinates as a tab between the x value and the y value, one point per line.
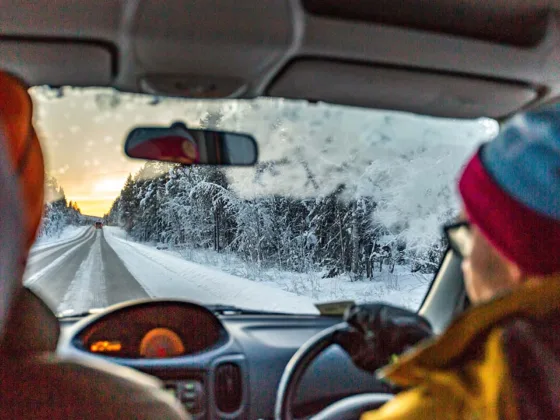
82	274
98	268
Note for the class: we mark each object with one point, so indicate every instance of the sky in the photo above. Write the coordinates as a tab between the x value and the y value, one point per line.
82	132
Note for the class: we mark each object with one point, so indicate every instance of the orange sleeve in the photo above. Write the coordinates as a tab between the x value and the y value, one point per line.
416	403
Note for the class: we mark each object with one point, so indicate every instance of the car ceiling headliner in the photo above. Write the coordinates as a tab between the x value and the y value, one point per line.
448	58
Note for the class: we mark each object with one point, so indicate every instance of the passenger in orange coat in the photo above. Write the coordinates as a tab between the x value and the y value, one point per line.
16	112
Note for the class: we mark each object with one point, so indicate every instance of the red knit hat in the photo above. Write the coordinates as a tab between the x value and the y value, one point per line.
522	234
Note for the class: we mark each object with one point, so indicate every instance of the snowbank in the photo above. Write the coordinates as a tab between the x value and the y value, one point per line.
163	274
401	288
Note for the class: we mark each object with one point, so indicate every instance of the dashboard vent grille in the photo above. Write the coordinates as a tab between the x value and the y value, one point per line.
228	387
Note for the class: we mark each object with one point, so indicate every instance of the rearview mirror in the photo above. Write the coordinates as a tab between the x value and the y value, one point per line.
180	144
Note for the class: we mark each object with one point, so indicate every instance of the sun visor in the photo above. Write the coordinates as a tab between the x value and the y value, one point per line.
57	63
510	22
436	94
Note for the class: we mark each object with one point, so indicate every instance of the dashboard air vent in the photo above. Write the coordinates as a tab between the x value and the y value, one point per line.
228	387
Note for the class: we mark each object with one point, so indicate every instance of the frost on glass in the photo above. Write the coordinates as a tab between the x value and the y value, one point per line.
344	202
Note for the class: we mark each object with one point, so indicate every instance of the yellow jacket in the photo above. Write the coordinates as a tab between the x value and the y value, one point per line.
498	360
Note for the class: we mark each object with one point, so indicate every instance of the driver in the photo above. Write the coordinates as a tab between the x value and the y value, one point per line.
501	358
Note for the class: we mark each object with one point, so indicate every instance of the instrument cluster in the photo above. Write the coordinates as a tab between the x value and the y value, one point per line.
153	330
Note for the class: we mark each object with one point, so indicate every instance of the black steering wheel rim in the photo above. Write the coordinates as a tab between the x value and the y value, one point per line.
296	367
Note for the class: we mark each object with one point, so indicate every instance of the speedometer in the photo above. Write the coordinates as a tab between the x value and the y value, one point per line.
160	343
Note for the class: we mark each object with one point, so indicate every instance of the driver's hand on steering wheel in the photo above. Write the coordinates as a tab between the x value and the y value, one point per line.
379	332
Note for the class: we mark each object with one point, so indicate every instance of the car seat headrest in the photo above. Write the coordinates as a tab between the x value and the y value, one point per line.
31	327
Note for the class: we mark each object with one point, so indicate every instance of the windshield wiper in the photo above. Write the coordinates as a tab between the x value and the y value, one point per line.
69	314
217	309
234	310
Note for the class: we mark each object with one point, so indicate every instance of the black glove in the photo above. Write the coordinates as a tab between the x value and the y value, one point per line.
380	331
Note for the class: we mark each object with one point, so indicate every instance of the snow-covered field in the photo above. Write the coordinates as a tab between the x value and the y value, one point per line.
402	289
165	274
250	286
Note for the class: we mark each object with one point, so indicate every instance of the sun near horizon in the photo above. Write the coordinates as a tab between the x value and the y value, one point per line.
103	193
83	143
96	208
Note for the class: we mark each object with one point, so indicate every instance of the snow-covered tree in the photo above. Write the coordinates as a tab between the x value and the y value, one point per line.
336	190
58	213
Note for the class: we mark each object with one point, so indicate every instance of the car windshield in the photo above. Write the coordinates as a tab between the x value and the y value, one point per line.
343	204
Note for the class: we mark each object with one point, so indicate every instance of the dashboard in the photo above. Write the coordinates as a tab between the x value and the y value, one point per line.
153	330
217	365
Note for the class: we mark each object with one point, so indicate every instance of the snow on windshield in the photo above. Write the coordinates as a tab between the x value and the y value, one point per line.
345	203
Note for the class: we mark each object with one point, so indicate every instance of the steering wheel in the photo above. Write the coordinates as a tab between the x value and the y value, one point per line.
347	408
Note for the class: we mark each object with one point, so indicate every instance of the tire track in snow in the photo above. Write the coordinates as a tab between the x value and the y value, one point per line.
120	283
78	234
41	273
146	288
88	288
